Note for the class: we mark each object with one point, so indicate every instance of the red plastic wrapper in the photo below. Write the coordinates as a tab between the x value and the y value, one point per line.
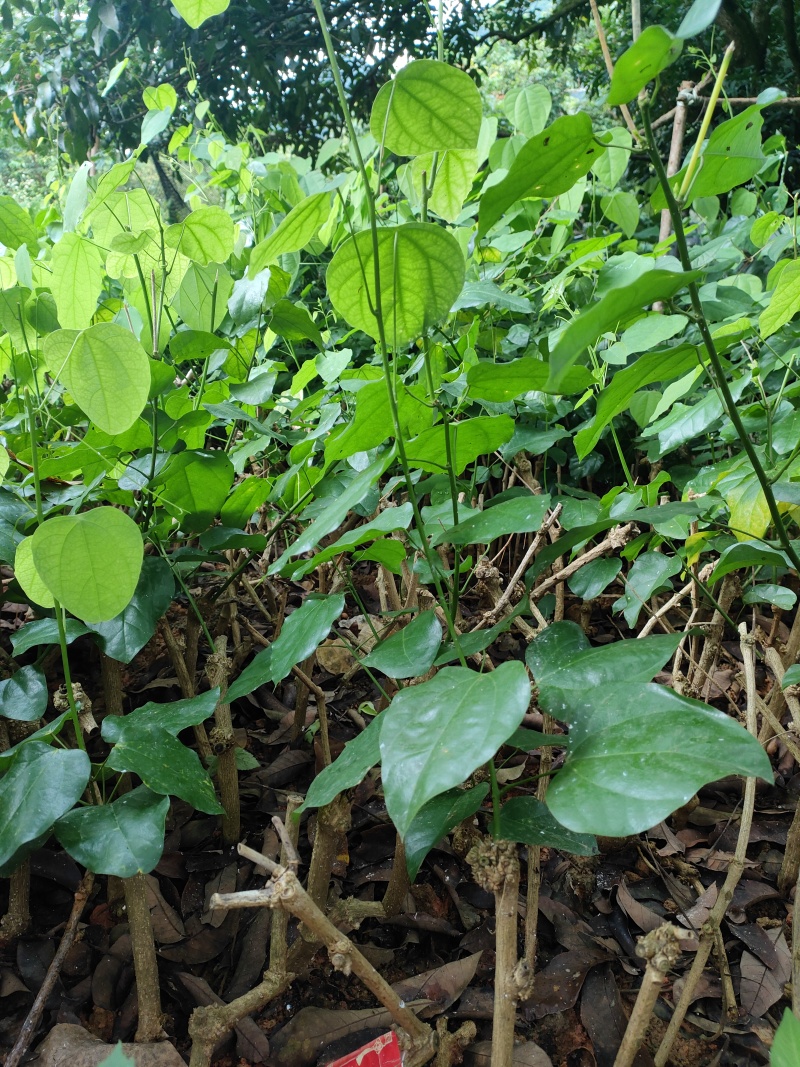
384	1051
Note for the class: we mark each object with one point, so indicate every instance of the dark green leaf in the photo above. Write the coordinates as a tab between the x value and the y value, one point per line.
174	717
650	571
590	581
748	554
45	632
437	733
348	769
122	838
165	766
528	821
23	696
436	819
500	382
791	676
398	518
529	740
410	652
42	785
469	439
127	634
47	733
519	515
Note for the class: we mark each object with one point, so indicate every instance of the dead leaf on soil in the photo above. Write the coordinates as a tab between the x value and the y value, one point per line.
605	1020
557	986
300	1041
167	924
441	986
251	1042
71	1046
695	916
761	986
644	917
527	1055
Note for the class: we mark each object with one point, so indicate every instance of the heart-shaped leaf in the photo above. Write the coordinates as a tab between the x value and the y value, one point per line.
527	820
195	12
23	696
125	635
105	369
519	515
41	786
637	752
206	235
122	838
437	733
410	652
90	562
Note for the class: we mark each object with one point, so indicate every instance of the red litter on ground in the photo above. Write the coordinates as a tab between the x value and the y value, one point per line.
384	1051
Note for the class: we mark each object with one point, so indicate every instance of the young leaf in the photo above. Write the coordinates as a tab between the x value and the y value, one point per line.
23	696
165	766
76	281
348	769
127	633
410	652
436	819
429	107
42	784
637	752
421	270
547	165
90	562
206	235
654	51
698	18
528	821
293	233
195	12
606	314
437	733
105	369
28	577
301	634
123	838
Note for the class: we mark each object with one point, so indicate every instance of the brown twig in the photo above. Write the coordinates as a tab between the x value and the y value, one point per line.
661	948
601	36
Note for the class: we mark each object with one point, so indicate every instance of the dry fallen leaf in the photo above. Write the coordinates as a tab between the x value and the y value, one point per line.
527	1055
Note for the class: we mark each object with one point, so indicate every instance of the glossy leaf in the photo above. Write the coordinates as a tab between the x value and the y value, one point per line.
90	562
654	51
205	236
637	752
521	514
105	369
246	498
41	785
123	838
562	658
77	280
348	769
296	230
411	651
173	717
608	312
195	12
791	676
528	821
469	439
127	633
437	733
421	274
590	581
301	634
45	632
46	733
389	520
165	766
24	696
195	486
436	819
650	571
748	554
430	106
546	166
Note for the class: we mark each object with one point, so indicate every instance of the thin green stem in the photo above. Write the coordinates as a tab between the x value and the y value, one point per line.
720	380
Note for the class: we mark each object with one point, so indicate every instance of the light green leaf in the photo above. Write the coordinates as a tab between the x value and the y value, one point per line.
90	562
105	369
617	395
469	439
454	174
373	423
195	12
28	577
521	514
546	166
528	821
348	769
156	98
300	635
206	235
699	17
165	766
114	75
436	819
293	233
410	652
154	123
636	752
16	227
749	512
784	303
654	51
607	313
77	280
500	382
123	838
421	274
124	636
42	784
428	107
109	183
528	109
622	208
612	164
437	733
77	198
389	520
195	486
247	497
24	696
